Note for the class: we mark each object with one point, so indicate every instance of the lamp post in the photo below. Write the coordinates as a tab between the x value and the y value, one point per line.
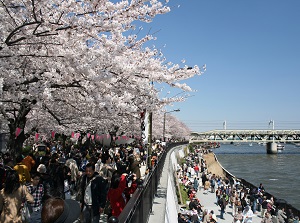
164	127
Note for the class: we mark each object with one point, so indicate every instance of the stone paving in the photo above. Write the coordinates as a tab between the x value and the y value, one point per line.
209	202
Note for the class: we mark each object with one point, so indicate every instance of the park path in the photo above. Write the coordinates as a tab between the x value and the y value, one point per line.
208	200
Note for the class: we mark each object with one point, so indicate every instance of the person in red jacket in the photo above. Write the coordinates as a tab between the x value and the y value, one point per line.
116	194
196	168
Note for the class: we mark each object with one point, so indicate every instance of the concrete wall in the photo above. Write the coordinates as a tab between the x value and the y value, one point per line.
172	207
171	204
165	206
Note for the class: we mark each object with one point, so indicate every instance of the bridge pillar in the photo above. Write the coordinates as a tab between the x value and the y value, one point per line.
271	148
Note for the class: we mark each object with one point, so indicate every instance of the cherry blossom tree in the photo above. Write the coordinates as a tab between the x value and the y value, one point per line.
174	128
68	65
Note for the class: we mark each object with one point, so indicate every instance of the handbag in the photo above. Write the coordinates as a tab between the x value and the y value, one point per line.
25	212
107	208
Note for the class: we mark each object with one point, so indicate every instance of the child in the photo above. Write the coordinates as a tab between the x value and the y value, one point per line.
36	189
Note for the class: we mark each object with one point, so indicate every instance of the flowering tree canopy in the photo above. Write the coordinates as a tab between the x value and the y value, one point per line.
72	64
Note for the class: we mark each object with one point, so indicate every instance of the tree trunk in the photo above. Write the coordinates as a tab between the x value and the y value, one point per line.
15	143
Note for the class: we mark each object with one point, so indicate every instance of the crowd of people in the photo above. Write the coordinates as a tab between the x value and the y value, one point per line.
68	183
230	194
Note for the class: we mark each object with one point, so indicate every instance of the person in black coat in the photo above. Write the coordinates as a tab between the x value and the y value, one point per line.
195	204
93	194
181	218
58	173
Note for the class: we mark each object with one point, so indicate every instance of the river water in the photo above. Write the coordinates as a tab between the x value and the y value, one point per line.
279	173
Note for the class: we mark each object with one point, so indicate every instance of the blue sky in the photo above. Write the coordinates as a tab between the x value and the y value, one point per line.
252	53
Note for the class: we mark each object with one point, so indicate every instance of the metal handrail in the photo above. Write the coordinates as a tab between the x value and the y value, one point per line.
139	207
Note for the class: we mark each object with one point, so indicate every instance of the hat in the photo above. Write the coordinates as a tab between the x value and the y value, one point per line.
41	168
71	212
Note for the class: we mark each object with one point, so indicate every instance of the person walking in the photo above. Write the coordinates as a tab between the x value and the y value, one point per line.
93	194
116	195
36	189
24	175
213	183
222	203
134	166
29	161
11	197
206	186
196	184
196	169
264	207
72	165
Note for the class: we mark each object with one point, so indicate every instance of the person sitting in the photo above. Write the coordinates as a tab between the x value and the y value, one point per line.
238	217
247	214
212	217
267	218
181	218
195	204
59	210
194	216
281	215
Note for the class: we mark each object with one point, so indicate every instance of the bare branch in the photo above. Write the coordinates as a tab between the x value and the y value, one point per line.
8	42
52	114
8	12
33	10
74	84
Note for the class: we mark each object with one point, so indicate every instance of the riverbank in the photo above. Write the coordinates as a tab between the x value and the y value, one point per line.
213	165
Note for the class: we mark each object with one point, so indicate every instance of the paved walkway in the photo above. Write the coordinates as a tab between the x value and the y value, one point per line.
209	202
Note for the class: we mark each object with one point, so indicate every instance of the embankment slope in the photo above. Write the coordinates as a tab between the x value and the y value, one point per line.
213	166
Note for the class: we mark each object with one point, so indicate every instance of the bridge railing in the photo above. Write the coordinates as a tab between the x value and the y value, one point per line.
247	136
139	207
